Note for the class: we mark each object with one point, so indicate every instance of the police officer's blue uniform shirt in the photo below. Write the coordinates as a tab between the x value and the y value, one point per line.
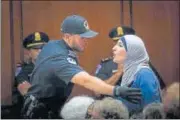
147	81
55	67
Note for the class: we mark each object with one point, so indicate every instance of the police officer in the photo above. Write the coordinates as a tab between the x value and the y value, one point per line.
109	71
33	43
57	70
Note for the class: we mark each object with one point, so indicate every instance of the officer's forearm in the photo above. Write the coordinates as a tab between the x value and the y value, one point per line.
23	87
113	79
92	83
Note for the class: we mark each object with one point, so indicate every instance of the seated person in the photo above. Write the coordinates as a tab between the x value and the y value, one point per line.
107	108
171	101
32	44
154	111
76	107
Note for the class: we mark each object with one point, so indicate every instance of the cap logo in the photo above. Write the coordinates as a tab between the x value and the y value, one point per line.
37	36
86	25
120	31
71	60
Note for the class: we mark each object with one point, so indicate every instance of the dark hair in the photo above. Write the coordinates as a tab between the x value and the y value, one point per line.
154	111
111	115
137	115
173	110
109	108
90	110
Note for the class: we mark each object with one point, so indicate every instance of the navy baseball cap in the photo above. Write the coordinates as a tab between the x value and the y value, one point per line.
76	24
35	40
118	32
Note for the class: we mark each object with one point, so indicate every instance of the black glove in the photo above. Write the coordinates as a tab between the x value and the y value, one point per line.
130	94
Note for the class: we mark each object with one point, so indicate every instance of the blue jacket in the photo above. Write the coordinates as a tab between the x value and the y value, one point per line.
146	80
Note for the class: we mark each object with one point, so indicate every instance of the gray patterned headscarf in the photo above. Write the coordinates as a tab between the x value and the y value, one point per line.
137	57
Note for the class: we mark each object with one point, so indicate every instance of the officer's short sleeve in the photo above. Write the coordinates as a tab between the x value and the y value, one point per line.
66	67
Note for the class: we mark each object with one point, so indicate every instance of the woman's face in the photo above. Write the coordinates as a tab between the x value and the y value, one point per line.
119	53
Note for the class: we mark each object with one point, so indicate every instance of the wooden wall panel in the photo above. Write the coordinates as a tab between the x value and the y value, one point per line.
156	22
7	52
5	55
17	31
126	9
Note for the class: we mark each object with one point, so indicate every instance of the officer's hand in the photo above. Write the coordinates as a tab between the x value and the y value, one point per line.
130	94
23	87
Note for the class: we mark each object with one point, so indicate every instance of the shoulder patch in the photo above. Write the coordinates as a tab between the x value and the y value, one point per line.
106	59
71	60
72	54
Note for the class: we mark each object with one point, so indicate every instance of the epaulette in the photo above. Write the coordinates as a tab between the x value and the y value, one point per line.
106	59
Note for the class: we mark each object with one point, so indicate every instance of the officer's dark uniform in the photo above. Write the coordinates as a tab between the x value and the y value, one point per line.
13	111
23	72
107	66
106	69
51	78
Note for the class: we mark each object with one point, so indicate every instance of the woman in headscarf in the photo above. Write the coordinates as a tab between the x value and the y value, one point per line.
131	52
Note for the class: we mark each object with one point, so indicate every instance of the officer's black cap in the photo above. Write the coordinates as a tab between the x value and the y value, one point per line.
35	40
118	32
75	24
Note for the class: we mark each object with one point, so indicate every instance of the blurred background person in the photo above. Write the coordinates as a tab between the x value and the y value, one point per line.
154	111
32	44
171	101
76	107
107	108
